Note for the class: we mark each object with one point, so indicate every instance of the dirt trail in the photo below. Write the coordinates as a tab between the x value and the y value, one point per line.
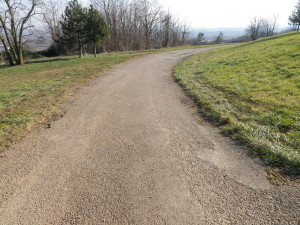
132	150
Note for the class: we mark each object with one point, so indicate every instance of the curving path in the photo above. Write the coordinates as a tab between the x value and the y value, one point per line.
131	149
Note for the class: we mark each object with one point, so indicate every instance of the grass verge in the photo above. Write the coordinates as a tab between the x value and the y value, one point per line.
252	91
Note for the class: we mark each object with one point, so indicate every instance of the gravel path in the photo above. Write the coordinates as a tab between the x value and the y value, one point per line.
131	149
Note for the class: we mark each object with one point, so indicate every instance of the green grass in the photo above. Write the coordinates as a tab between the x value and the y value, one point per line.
31	94
253	91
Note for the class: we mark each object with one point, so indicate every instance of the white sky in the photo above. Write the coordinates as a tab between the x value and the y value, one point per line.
229	13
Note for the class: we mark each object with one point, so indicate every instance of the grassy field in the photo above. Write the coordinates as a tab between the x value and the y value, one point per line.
252	91
31	94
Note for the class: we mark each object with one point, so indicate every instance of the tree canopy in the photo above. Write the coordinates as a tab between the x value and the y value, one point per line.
74	25
200	38
82	26
220	38
294	19
96	27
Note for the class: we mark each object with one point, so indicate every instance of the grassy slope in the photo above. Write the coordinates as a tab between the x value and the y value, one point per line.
30	94
253	91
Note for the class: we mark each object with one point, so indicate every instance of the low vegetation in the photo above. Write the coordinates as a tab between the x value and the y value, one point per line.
252	91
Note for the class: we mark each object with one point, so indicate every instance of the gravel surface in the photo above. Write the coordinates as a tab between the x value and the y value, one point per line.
131	149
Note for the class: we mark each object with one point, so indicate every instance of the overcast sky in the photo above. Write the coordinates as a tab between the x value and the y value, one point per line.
229	13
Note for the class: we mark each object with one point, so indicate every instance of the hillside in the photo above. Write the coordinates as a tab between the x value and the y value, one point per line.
253	91
212	33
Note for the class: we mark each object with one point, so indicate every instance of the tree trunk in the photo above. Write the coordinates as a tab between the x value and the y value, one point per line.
95	49
80	49
8	53
11	62
20	60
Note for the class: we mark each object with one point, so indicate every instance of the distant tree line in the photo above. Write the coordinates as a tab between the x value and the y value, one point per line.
105	25
127	25
261	27
77	27
201	39
294	19
258	28
140	24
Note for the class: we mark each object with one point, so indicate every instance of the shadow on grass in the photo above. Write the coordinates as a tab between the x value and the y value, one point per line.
4	66
49	60
39	61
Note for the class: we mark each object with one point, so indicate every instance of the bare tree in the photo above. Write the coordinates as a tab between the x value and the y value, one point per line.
167	20
149	18
15	24
109	9
185	32
269	26
255	27
52	15
140	24
52	11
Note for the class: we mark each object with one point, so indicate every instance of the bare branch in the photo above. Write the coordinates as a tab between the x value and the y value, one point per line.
15	19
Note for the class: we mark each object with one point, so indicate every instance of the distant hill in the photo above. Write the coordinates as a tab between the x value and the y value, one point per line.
212	33
38	41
